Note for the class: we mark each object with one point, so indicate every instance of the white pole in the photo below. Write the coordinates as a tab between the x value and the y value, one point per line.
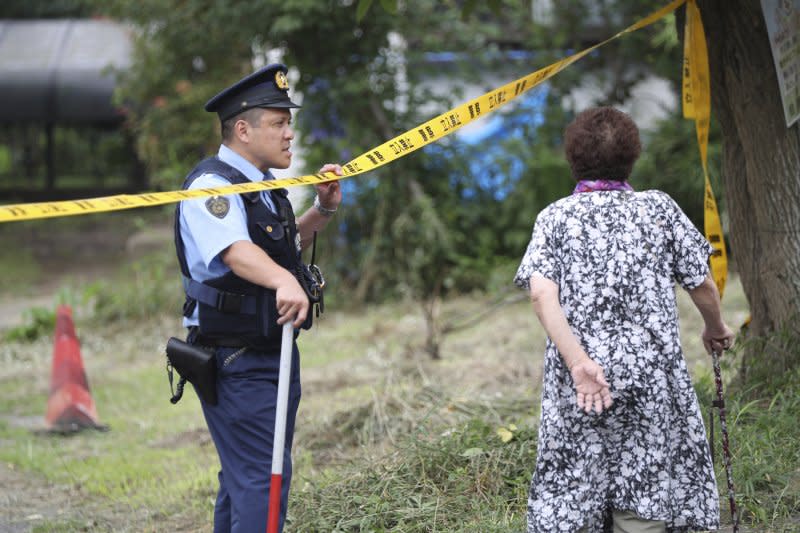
284	377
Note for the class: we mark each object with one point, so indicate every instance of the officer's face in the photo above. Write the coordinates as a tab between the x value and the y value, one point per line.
269	141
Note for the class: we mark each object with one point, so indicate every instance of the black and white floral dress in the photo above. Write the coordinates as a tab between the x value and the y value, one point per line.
615	256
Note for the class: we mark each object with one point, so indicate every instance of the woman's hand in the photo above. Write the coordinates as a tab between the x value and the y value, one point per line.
718	338
591	385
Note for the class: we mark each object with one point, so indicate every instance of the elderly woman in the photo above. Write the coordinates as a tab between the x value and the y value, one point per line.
622	444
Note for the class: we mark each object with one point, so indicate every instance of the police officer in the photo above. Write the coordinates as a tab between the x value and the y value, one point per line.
240	257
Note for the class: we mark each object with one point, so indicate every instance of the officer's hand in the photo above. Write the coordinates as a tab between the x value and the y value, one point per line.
330	193
291	300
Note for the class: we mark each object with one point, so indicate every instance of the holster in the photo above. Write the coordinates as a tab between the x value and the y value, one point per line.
194	364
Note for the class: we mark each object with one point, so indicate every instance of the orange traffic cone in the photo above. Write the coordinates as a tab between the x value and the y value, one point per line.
70	406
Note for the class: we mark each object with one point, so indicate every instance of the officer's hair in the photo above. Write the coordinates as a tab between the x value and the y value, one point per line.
252	116
602	143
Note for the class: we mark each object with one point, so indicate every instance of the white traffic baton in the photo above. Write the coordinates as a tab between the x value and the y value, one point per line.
284	377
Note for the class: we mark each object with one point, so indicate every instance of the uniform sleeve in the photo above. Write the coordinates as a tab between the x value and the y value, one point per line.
539	258
690	250
214	225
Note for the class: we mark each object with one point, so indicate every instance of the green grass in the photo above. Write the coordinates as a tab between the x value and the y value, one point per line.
153	457
20	270
465	479
387	440
766	456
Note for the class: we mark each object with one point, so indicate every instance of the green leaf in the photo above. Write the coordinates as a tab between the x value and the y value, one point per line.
361	10
472	452
466	9
505	434
390	6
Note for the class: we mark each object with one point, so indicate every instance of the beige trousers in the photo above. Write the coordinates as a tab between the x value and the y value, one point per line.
627	522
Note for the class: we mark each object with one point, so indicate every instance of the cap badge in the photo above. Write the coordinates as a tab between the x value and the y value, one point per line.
281	81
218	206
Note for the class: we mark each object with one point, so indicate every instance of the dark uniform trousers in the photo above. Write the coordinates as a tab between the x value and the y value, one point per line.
242	426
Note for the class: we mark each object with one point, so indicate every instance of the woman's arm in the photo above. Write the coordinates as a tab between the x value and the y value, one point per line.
590	383
717	336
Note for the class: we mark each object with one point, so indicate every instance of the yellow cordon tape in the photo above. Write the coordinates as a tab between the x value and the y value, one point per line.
400	146
696	104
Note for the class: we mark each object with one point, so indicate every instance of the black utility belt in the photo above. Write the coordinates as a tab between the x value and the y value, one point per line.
259	344
224	342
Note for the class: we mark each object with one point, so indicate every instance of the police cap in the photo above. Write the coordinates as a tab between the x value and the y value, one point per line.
265	88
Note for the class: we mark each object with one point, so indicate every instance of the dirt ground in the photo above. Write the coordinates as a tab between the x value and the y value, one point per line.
26	501
29	502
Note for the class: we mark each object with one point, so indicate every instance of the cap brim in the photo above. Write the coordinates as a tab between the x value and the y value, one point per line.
281	105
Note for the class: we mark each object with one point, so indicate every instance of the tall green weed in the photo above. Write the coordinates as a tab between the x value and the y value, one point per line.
37	322
763	403
149	286
474	478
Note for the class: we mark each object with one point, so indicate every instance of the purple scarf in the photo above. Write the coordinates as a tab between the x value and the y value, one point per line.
601	185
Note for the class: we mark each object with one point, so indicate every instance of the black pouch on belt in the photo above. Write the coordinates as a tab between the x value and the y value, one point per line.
194	364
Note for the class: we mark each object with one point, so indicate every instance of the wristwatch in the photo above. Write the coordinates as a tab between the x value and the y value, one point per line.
324	211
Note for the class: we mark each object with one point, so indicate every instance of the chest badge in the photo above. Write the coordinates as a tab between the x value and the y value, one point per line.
298	242
218	206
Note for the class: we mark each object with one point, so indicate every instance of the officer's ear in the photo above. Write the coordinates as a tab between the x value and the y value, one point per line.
241	130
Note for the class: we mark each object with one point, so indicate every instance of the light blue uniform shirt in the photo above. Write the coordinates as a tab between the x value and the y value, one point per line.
205	235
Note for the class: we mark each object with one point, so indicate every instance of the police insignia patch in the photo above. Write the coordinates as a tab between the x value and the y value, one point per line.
218	206
281	81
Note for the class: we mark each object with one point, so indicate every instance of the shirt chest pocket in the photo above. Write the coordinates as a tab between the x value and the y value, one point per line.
271	237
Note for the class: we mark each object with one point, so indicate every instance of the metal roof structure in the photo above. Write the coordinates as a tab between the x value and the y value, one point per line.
61	70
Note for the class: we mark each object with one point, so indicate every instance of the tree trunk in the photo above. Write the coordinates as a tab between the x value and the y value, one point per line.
431	307
761	161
